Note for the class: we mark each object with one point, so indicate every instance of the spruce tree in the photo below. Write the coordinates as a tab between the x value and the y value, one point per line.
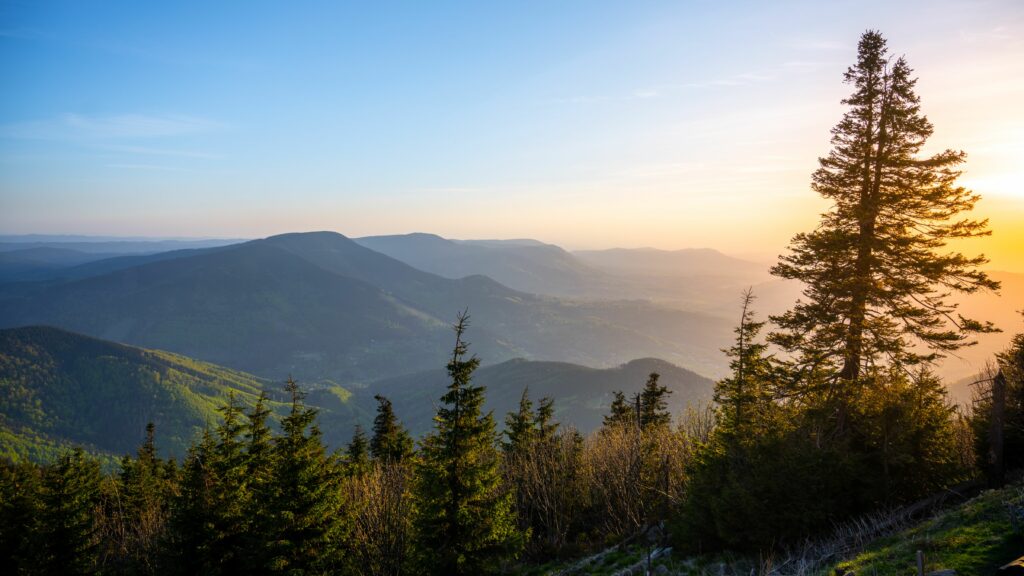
621	412
546	425
744	398
391	442
69	498
464	519
520	427
877	269
20	507
309	527
357	453
653	406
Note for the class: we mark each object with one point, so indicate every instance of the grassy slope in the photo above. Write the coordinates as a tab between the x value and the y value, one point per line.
974	538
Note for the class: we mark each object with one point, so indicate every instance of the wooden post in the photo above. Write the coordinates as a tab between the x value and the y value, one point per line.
997	476
920	563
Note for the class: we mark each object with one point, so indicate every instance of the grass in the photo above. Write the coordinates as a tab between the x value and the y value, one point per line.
974	538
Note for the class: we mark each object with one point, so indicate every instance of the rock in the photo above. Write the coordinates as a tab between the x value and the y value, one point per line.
947	572
661	570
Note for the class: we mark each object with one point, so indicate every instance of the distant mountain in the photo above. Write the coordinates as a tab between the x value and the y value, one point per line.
322	307
41	257
582	395
674	263
40	262
525	265
701	280
108	244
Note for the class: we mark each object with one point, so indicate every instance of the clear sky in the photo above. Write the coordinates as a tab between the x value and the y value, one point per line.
587	124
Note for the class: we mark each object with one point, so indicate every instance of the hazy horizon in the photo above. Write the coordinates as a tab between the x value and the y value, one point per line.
593	126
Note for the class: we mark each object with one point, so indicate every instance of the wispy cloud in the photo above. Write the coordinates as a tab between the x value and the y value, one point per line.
146	151
636	94
124	126
156	167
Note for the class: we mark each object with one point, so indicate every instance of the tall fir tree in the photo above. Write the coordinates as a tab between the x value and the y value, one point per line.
309	526
465	522
745	397
69	498
653	405
547	427
520	426
877	270
622	412
357	453
391	441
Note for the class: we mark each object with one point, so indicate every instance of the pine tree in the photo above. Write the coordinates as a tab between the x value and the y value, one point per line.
653	406
309	527
20	508
744	398
144	488
520	429
261	468
357	453
546	425
211	517
70	496
621	412
465	522
391	442
877	270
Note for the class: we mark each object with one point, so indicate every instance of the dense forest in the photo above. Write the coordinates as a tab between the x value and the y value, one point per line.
830	411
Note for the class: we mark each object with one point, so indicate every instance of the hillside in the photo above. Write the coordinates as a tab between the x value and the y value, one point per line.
321	307
582	395
59	388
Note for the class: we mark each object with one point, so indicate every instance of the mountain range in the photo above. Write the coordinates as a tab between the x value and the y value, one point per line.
324	308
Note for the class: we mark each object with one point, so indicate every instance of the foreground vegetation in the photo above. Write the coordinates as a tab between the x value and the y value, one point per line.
850	422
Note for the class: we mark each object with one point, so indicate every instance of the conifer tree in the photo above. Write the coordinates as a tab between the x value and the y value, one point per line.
391	442
520	428
744	396
309	528
546	425
69	497
621	412
653	406
211	516
357	453
464	522
20	506
877	269
144	486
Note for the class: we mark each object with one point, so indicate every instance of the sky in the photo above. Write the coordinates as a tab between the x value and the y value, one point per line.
584	123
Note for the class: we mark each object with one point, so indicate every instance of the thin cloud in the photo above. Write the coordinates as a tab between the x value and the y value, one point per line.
162	152
156	167
124	126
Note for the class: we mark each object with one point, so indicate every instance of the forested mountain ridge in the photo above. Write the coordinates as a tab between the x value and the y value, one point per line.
76	390
319	306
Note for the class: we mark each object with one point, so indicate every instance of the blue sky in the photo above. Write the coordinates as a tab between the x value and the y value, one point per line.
584	123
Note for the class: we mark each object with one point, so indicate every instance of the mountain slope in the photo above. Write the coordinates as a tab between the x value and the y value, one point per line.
59	388
582	395
320	306
528	266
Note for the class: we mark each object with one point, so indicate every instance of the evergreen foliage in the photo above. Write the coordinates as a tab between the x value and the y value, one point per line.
653	406
465	522
876	270
391	441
